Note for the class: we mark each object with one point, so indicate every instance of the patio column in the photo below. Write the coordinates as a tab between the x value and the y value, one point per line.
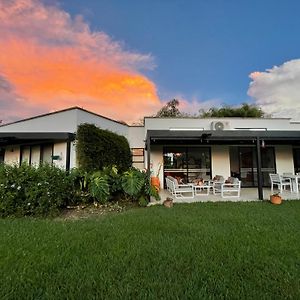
259	172
148	153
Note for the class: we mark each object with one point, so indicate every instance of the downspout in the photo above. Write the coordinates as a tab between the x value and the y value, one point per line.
259	172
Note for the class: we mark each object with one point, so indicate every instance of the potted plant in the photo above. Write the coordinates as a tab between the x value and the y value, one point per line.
155	179
275	198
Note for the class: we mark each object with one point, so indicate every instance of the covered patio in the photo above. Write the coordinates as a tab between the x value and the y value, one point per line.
258	140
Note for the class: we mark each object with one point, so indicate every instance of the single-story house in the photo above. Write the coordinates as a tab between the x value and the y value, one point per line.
247	148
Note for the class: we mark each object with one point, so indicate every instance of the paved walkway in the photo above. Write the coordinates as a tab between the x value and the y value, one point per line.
247	194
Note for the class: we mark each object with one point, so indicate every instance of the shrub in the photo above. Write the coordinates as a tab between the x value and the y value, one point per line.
27	190
136	184
98	148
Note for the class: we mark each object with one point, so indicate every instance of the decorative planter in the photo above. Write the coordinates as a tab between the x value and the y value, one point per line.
168	202
155	182
275	199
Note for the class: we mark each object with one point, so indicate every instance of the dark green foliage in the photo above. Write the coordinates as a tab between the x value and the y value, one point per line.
170	110
34	191
244	111
137	185
98	148
99	187
192	251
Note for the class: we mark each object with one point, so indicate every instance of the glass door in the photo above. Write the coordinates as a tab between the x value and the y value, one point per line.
243	164
246	160
187	163
175	163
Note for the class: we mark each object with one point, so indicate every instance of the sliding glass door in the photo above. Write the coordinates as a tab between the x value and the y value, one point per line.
243	164
187	163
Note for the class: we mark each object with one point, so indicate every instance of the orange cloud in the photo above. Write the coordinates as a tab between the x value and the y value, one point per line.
53	61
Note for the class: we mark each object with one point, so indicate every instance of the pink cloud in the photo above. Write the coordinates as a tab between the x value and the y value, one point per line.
51	61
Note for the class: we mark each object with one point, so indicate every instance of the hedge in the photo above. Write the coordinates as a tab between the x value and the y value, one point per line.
98	148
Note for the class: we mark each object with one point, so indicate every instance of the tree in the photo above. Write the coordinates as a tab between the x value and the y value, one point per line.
244	111
170	110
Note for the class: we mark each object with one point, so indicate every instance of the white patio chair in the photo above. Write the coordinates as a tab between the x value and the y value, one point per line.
179	190
231	189
281	183
217	184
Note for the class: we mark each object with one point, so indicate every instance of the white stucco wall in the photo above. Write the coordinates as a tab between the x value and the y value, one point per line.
65	121
156	159
136	137
35	155
73	157
12	155
220	161
26	155
102	122
284	159
230	123
60	149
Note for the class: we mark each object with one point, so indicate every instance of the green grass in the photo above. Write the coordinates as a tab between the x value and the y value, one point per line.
192	251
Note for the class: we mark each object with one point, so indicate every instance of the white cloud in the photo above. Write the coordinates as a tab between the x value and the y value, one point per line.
277	90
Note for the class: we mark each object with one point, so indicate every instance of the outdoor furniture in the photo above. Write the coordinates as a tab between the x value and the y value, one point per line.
217	182
295	181
229	188
202	190
179	190
280	181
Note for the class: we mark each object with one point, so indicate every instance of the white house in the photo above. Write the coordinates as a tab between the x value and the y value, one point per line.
247	148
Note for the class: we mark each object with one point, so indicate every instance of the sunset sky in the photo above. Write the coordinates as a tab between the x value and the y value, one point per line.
125	59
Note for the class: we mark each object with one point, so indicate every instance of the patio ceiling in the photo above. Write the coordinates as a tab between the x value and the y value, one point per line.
16	138
159	137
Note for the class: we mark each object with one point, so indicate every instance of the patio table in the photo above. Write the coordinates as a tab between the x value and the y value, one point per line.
295	182
200	189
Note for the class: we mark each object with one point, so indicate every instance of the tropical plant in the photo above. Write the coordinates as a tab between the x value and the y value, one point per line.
136	184
99	187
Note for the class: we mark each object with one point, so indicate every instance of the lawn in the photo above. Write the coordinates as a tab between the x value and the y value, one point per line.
192	251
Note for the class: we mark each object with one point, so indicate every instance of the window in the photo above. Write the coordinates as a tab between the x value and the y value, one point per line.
137	155
187	163
296	160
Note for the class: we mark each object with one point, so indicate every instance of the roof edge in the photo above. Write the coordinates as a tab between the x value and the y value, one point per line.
60	111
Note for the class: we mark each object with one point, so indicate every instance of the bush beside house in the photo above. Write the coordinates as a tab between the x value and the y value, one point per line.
98	148
46	190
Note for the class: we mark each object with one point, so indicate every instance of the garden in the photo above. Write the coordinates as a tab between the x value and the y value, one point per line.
117	249
104	176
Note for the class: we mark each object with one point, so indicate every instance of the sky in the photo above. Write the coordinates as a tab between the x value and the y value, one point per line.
125	59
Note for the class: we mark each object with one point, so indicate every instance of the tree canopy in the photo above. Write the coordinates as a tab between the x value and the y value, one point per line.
170	110
244	111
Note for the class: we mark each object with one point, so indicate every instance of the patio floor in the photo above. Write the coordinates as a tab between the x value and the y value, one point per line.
247	194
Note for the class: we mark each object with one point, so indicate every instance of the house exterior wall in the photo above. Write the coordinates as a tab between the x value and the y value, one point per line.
220	161
156	160
284	159
60	149
101	122
230	123
12	155
65	121
35	155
